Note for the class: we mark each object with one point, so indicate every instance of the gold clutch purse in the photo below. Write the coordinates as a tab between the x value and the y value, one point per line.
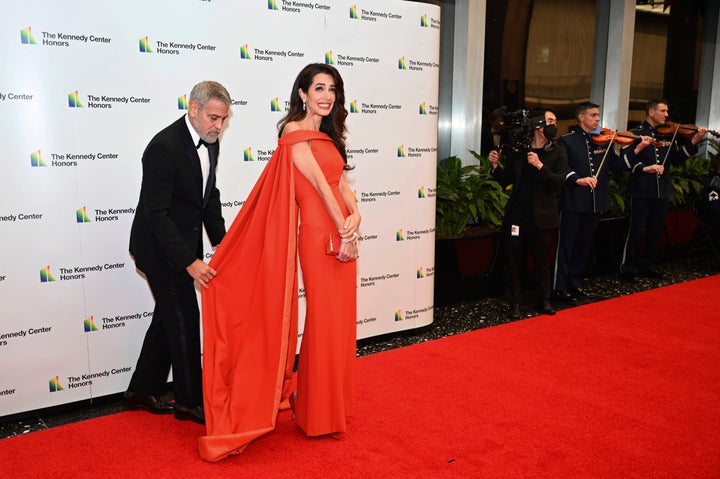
333	244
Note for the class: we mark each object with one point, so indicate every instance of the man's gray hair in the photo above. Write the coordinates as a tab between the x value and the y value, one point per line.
208	90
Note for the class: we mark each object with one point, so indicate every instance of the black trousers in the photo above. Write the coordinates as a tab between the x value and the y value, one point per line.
575	239
648	215
172	340
540	244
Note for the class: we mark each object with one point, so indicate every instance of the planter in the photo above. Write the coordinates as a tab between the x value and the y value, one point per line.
679	232
680	226
475	254
464	267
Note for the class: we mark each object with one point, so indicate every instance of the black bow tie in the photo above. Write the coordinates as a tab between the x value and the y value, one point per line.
203	142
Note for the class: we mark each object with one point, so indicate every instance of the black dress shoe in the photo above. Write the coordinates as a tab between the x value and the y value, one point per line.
652	273
185	413
515	311
564	296
629	277
150	403
546	308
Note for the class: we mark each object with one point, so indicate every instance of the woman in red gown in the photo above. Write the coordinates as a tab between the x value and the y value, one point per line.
250	308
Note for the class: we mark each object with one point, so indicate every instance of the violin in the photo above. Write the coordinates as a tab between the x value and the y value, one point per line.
685	131
622	138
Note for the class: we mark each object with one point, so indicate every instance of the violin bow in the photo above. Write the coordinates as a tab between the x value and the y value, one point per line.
667	153
602	162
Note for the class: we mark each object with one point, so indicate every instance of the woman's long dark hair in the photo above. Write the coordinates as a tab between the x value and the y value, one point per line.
333	124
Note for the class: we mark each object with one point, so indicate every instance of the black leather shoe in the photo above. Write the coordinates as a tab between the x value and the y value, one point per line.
564	296
652	273
546	308
185	413
153	404
515	311
629	277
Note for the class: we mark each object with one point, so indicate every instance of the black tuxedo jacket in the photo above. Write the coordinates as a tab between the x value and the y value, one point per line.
166	234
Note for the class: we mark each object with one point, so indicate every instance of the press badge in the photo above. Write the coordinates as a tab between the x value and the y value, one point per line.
514	230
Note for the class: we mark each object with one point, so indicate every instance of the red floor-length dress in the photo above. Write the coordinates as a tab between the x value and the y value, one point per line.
250	311
326	367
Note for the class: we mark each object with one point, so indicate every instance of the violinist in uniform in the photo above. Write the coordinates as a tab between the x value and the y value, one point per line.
650	189
585	195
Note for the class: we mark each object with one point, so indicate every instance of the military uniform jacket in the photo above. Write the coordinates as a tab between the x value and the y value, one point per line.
584	160
649	185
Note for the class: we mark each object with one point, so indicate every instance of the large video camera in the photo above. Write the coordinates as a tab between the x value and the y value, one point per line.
518	129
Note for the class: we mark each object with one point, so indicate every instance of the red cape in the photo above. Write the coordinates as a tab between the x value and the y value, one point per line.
250	312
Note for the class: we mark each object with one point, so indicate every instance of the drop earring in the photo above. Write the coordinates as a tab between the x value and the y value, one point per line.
303	106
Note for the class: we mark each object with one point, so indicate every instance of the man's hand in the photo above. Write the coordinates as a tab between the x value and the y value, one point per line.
494	158
589	181
644	143
657	169
699	134
534	160
201	272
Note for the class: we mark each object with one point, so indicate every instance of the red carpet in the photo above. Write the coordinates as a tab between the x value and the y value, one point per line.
628	387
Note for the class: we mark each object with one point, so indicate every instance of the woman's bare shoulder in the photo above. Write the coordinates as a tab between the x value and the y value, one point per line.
290	127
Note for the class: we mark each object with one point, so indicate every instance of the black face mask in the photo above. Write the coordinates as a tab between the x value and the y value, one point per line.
550	131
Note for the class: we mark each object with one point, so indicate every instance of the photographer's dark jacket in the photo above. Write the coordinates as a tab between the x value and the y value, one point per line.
534	198
650	186
584	159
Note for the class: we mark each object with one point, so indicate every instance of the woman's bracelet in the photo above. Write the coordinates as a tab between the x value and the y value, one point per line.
351	239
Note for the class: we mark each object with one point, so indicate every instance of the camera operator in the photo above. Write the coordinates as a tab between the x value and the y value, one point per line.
537	169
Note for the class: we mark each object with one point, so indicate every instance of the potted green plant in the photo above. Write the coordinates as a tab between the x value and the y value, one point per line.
469	210
468	198
688	180
617	183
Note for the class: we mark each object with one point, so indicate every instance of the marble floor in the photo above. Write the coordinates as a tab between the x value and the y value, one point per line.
449	319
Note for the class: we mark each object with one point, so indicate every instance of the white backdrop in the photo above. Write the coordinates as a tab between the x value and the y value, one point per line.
85	84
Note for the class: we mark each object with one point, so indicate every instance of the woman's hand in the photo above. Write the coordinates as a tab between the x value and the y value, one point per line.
349	229
349	250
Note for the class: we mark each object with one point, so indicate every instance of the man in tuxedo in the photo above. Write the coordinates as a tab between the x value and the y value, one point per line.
537	172
178	197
